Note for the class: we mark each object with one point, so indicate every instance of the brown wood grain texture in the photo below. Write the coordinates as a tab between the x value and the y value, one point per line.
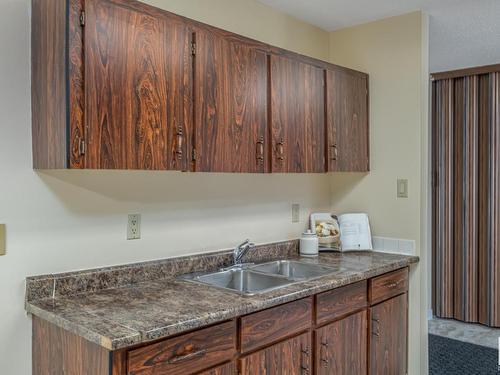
137	79
297	117
271	325
342	346
231	105
290	357
443	128
76	86
388	285
56	351
341	301
466	199
347	122
187	353
48	84
466	284
489	195
227	369
388	342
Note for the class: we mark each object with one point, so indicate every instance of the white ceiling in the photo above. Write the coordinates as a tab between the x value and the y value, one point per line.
336	14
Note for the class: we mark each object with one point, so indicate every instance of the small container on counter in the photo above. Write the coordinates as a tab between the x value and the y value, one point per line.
309	244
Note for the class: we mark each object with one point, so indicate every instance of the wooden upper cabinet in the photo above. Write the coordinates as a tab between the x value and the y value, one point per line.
297	116
231	105
347	121
137	84
119	84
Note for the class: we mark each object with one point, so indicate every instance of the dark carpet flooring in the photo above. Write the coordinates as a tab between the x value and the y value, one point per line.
452	357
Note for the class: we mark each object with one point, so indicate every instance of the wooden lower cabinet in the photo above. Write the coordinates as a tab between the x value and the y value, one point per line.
290	357
341	347
388	345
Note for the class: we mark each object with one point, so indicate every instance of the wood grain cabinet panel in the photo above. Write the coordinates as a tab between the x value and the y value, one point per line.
341	301
228	369
388	344
137	84
388	285
297	116
185	354
291	357
271	325
231	105
347	121
341	347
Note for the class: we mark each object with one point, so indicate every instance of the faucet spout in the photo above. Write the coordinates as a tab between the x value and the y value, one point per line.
241	250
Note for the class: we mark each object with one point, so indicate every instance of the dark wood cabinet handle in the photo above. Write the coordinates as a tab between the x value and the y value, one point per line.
305	352
280	147
180	141
324	359
260	150
186	357
377	330
335	153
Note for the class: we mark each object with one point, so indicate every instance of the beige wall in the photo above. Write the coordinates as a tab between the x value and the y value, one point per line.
394	52
70	220
254	20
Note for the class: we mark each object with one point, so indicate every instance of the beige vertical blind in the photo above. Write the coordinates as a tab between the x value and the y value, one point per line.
466	196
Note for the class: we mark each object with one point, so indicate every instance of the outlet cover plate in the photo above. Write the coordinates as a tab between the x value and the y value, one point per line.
134	227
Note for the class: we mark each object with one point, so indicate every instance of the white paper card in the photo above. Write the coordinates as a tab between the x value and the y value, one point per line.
355	232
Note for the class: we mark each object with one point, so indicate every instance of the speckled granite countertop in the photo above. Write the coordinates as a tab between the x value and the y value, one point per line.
118	307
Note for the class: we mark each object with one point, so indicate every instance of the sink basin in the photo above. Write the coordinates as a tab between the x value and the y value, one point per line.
242	281
294	270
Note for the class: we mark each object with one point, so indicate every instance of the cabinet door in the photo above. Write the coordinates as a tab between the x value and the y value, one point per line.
347	121
137	84
227	369
230	105
297	116
342	346
389	329
291	357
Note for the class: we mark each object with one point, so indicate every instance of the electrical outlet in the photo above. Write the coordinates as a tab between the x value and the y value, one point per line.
295	213
134	227
3	241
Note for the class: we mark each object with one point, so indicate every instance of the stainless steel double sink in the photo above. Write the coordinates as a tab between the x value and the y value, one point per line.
255	279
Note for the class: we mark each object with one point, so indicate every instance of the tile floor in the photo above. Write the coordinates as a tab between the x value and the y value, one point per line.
471	333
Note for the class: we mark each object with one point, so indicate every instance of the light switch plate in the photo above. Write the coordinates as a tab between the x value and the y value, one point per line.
3	240
295	213
402	188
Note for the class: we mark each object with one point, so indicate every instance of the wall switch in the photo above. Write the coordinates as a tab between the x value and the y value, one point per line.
295	213
134	227
3	239
402	188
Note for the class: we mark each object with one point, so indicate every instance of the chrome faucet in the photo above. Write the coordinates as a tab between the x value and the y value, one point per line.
241	250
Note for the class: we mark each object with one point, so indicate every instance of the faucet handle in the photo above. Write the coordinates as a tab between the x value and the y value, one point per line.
244	243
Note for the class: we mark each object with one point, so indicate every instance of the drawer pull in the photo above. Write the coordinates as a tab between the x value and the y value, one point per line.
186	357
281	149
393	285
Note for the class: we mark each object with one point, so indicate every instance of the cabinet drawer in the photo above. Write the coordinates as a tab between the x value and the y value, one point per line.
187	353
271	325
386	286
341	301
